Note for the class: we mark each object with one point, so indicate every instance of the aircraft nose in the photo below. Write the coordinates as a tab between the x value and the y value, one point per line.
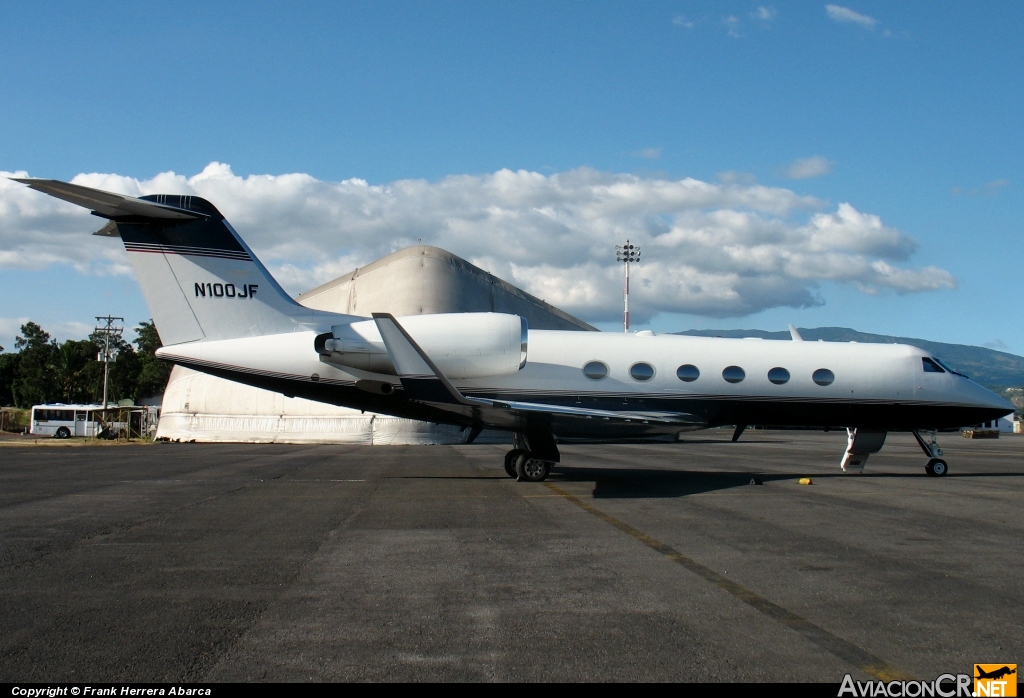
1005	404
987	398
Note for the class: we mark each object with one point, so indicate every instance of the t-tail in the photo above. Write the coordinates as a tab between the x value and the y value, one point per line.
199	278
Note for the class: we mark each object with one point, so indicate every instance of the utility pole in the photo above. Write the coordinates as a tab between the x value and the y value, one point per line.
627	253
107	354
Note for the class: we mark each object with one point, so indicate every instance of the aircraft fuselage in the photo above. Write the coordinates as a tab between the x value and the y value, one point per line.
869	386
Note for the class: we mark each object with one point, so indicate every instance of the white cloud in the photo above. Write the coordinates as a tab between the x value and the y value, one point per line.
988	190
683	21
717	249
764	13
838	13
10	329
732	26
998	345
648	153
808	168
734	177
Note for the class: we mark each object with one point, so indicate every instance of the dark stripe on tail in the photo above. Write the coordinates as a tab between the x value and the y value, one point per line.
181	249
207	237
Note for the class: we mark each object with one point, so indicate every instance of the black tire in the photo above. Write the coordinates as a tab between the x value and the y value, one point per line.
510	461
530	469
62	433
936	467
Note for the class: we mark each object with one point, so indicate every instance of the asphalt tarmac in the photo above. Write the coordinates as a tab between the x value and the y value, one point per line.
642	562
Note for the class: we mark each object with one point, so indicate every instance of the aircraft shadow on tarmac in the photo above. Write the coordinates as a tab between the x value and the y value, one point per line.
641	483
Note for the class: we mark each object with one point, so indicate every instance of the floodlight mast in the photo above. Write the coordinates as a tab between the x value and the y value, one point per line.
626	253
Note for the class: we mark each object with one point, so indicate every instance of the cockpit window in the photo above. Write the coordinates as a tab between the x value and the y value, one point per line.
942	365
931	366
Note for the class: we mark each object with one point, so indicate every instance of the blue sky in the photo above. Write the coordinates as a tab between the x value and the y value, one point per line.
911	113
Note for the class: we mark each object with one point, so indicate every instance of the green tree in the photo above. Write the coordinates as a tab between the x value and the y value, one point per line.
36	381
43	371
153	373
124	376
123	372
74	361
9	364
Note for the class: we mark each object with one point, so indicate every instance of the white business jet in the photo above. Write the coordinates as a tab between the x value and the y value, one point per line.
219	311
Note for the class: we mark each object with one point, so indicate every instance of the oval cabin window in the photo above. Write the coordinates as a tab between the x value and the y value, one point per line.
823	376
778	375
733	374
687	373
641	371
595	370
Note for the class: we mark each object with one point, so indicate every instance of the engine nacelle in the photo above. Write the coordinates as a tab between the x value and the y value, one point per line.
462	345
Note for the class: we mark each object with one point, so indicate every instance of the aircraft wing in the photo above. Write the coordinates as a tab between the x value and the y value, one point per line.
423	381
107	204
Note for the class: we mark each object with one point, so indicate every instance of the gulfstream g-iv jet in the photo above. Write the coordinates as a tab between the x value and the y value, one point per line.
219	311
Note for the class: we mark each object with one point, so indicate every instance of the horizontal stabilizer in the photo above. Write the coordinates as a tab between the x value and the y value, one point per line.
107	204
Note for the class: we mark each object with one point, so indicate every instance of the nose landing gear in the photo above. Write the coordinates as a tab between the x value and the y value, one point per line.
936	467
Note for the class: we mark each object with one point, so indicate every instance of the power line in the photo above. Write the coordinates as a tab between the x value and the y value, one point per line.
108	354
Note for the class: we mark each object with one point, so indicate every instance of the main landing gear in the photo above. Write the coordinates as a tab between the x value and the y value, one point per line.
532	457
936	467
524	467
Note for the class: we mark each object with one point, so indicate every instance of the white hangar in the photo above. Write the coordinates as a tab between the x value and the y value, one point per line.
418	280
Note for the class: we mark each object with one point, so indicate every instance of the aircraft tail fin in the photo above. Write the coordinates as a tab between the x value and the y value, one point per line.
199	278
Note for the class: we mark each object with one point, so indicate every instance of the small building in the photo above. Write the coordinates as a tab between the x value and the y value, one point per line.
992	428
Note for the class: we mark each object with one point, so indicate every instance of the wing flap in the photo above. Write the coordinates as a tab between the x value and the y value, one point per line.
587	413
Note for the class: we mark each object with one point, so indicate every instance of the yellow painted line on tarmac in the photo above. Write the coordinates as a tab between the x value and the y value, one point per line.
837	646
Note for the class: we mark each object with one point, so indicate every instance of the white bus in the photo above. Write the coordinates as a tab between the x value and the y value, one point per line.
64	421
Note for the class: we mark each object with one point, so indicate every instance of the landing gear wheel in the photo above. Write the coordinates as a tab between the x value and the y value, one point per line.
63	433
510	461
936	467
530	469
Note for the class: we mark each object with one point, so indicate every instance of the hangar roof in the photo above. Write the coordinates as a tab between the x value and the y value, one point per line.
423	280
